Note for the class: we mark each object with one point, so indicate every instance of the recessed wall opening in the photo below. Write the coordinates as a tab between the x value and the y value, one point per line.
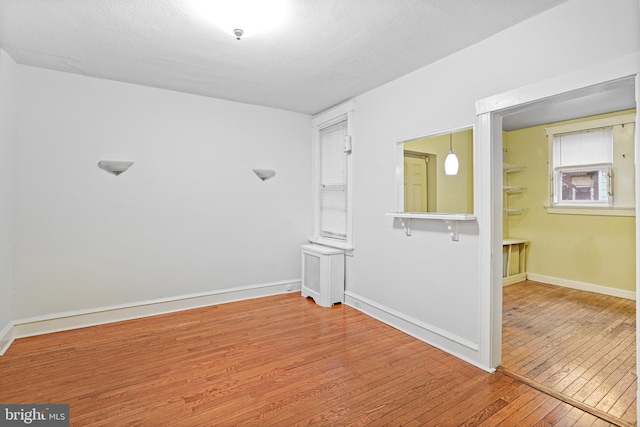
568	311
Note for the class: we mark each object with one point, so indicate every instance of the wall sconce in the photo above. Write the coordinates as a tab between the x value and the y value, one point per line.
451	162
264	174
114	166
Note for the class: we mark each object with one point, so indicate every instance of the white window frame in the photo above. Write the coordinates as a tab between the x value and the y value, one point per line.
582	208
604	169
319	122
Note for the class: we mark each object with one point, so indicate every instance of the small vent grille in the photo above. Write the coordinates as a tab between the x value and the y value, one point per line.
312	272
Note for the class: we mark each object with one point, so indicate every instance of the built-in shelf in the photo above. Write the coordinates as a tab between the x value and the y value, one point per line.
450	219
515	211
514	261
510	167
510	189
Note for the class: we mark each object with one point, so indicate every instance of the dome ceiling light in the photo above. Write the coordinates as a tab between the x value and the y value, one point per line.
243	18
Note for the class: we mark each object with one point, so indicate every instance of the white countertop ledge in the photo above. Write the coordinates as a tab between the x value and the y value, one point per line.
433	215
450	219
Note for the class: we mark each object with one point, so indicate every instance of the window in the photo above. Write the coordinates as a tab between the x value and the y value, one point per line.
332	177
591	164
582	164
586	185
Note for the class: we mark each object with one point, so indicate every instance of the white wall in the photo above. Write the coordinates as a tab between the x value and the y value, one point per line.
188	217
191	217
427	284
7	144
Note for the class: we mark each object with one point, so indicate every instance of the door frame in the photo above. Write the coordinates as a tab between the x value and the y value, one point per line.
488	191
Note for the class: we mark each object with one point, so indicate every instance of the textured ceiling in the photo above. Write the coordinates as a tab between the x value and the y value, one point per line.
324	53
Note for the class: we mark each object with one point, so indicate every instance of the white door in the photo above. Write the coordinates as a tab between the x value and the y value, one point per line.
415	184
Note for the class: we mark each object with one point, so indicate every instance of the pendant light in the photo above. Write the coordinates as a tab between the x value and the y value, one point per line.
451	162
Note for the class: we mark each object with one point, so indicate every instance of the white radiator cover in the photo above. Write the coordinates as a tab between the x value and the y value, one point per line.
323	274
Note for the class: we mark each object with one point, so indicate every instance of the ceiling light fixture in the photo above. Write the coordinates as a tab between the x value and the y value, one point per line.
243	18
451	162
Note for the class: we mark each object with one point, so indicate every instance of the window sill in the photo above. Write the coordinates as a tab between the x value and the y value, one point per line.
348	249
590	210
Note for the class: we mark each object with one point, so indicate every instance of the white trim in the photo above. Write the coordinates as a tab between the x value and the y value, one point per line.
514	278
460	347
591	124
333	115
590	210
6	338
490	111
637	181
593	207
607	71
116	313
487	172
319	122
447	131
337	245
582	286
399	153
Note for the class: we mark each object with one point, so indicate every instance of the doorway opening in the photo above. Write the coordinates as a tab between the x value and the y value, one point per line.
611	96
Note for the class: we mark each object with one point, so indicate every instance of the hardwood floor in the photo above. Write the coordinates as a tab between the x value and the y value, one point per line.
580	345
279	361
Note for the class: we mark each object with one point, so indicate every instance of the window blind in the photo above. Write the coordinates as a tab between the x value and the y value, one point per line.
333	182
590	147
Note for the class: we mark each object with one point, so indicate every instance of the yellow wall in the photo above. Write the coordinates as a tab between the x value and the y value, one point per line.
454	193
591	249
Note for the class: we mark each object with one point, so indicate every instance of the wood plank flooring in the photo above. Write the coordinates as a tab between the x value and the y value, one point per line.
578	344
279	361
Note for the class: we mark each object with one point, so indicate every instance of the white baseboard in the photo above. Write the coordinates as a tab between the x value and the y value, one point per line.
459	347
513	279
589	287
83	318
6	337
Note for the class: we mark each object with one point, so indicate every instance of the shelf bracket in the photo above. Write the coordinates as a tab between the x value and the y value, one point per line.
406	224
452	225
